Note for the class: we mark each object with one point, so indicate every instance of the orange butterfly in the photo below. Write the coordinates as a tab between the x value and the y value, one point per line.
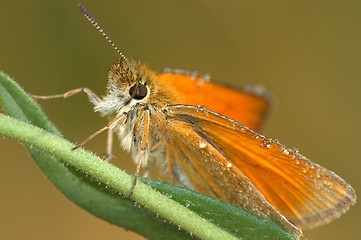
191	130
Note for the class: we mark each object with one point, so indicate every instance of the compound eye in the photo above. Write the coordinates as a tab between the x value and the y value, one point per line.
138	91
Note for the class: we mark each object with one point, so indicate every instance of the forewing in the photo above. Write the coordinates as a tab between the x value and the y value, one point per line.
240	166
249	106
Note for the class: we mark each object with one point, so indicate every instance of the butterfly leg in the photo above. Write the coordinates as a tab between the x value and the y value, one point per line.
157	150
94	99
170	166
142	149
118	120
92	96
109	154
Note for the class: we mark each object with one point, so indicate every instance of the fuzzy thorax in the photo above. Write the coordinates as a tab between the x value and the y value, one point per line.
124	78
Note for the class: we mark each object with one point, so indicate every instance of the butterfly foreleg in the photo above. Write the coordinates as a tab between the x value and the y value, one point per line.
92	96
142	149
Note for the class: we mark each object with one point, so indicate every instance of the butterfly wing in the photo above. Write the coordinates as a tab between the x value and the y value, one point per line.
222	158
249	106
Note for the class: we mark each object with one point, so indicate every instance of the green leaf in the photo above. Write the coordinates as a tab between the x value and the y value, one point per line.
99	187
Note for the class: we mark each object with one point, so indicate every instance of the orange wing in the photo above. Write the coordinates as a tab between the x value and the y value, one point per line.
221	157
247	107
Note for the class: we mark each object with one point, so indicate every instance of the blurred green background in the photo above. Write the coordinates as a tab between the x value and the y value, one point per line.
307	53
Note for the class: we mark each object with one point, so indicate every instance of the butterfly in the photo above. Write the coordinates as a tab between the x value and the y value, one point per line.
203	136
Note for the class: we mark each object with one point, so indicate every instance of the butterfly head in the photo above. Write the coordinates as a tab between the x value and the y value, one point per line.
132	84
131	80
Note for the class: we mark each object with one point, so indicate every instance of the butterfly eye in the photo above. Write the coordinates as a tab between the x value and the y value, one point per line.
138	91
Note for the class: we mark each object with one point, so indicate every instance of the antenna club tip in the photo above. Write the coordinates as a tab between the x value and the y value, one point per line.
96	25
81	8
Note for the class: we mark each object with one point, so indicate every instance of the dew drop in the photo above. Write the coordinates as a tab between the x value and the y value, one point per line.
204	109
202	144
206	77
194	75
241	127
198	107
177	71
255	135
295	150
285	151
266	143
259	89
229	165
167	70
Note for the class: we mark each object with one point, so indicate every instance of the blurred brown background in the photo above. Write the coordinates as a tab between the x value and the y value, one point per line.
308	54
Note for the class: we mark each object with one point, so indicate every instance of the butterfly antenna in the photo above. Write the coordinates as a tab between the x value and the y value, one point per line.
97	26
